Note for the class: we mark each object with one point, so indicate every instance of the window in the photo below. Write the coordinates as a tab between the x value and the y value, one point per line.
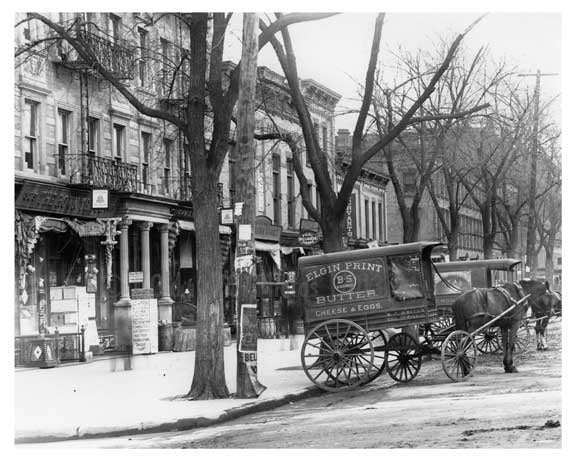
325	139
276	192
405	278
167	157
63	139
374	222
143	38
409	178
119	142
93	136
30	29
367	218
114	27
290	193
381	221
30	133
231	175
165	50
146	143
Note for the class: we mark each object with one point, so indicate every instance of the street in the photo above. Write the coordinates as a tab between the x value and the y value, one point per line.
490	410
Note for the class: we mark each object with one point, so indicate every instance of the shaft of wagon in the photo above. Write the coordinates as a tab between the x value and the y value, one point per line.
498	317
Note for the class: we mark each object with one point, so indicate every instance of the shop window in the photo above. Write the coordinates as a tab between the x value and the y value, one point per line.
405	277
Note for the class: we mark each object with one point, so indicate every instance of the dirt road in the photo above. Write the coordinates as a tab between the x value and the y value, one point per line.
490	410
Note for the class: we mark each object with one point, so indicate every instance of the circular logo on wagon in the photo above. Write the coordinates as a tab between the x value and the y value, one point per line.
344	281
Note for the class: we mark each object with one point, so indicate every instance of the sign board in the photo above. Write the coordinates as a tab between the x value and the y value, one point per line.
308	238
135	277
144	326
266	230
248	337
244	232
100	198
227	216
289	286
63	200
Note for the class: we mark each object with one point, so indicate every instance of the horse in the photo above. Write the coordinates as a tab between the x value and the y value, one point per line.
476	307
544	307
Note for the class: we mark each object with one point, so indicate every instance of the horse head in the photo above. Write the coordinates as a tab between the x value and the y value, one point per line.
542	299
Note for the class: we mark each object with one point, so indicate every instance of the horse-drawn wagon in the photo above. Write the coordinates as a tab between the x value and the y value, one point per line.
351	299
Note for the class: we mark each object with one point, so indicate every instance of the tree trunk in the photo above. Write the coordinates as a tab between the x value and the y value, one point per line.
209	380
333	230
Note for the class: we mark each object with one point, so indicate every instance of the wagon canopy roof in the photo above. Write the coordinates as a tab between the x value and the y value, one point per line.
424	248
493	264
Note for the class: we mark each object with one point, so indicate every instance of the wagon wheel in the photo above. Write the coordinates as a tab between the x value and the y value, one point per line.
380	344
403	360
436	332
523	338
488	341
337	355
459	354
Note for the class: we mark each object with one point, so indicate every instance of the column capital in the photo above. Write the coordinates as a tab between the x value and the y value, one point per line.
124	223
145	225
164	227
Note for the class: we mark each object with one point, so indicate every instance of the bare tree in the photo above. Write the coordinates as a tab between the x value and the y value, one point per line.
202	114
333	205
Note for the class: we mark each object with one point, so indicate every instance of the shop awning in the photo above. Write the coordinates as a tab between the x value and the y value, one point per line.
271	247
190	226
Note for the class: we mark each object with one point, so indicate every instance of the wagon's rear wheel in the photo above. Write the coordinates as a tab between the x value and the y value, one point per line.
403	360
523	338
337	355
488	341
459	353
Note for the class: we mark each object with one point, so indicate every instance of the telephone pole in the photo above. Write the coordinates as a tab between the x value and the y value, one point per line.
247	384
531	257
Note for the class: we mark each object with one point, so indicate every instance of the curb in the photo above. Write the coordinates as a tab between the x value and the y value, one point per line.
180	424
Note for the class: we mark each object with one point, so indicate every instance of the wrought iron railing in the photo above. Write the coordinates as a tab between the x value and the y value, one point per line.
102	172
116	56
66	347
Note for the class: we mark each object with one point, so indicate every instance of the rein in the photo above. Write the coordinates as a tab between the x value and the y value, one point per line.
446	282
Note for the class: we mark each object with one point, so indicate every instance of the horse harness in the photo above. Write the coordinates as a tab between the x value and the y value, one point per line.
506	295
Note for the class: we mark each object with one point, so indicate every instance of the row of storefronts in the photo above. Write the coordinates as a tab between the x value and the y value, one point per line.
88	259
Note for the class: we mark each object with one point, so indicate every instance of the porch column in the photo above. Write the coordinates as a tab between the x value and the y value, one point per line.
165	302
145	238
122	309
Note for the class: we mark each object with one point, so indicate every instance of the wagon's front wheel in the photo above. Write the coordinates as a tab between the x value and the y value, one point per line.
338	355
459	353
403	360
523	338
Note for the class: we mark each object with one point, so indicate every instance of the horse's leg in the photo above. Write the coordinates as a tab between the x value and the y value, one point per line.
508	339
540	329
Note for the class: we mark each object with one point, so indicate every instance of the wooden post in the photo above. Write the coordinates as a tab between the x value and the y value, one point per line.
247	385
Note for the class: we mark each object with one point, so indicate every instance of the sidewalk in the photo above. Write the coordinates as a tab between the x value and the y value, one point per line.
128	395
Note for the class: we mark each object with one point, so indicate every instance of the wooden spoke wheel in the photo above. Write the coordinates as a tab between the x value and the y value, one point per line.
488	341
459	353
338	355
523	338
436	332
380	344
403	360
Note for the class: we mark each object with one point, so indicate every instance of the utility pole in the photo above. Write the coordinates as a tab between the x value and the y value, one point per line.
247	384
531	257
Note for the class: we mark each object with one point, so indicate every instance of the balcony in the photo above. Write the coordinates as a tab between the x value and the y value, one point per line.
100	172
118	57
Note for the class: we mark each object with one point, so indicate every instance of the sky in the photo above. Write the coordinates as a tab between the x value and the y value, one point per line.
335	51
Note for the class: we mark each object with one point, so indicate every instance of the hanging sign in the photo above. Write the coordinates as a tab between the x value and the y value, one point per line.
227	216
